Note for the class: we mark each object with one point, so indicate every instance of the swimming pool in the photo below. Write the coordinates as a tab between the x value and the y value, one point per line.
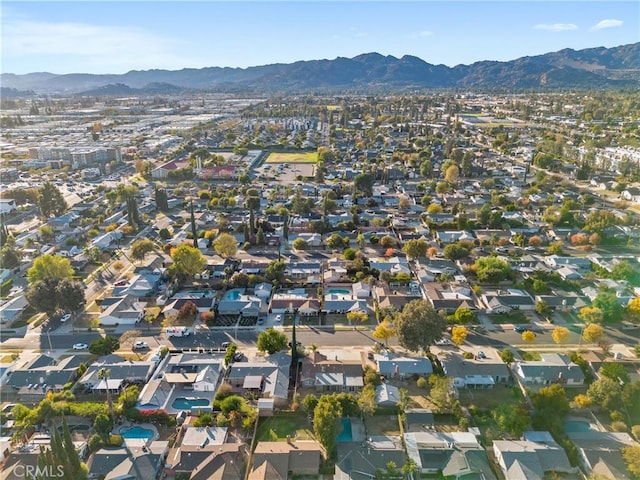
137	432
189	403
577	426
339	291
346	435
232	294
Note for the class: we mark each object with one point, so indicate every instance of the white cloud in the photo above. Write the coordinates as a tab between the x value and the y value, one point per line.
556	27
607	23
106	46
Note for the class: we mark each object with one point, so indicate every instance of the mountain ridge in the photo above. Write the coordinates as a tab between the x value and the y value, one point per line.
597	67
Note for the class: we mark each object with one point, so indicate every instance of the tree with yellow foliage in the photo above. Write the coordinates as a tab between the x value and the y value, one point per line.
528	336
459	334
560	334
384	331
592	333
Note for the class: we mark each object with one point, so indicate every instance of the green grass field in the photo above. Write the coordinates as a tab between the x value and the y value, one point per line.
277	428
301	157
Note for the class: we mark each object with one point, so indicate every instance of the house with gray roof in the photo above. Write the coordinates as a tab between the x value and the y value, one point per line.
533	458
418	419
456	455
122	371
34	379
600	455
393	365
122	310
268	378
474	372
552	368
363	460
136	459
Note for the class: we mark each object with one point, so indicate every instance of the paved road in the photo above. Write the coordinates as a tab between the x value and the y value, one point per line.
329	338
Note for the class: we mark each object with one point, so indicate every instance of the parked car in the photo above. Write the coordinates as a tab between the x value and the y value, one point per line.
278	318
482	356
444	341
65	317
80	346
139	345
521	329
226	344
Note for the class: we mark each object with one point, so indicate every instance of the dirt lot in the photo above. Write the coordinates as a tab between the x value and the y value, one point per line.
382	425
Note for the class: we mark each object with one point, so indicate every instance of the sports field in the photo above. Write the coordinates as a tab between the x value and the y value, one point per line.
301	157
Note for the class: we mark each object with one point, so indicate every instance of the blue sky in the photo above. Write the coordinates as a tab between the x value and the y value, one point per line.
118	36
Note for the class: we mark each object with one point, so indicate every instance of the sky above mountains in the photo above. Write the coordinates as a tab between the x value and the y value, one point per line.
117	36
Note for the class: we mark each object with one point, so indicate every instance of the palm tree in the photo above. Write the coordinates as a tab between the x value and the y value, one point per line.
104	374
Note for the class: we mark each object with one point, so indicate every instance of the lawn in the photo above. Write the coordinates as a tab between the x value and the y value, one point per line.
298	157
513	317
278	427
489	398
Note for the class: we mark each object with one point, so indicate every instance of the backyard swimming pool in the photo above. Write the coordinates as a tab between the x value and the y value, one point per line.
339	291
137	432
577	426
232	294
189	403
346	435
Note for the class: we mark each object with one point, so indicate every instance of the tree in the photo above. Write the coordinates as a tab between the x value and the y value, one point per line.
187	260
451	175
440	390
384	331
225	245
607	301
41	295
492	270
49	266
105	374
633	309
140	248
335	242
300	244
361	317
309	403
513	419
188	311
104	346
590	315
614	371
275	271
458	335
70	295
271	341
606	393
363	183
550	406
560	335
592	333
388	242
528	336
10	257
60	459
507	356
464	315
326	422
631	456
50	200
415	248
367	400
455	251
419	325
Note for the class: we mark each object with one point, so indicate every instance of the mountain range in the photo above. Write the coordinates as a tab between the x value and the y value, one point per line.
565	69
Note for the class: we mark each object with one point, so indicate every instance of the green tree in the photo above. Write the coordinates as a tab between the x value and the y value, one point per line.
60	459
187	260
335	242
511	418
492	270
550	406
419	325
225	245
440	391
507	356
605	392
614	371
367	400
104	346
326	422
140	248
631	456
590	315
464	315
271	341
275	271
49	266
416	248
41	295
363	183
70	295
51	201
607	301
10	257
300	244
309	403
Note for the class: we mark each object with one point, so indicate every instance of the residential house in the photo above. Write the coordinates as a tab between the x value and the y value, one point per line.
418	419
12	309
534	458
506	300
144	283
33	379
249	306
136	459
207	460
304	272
474	372
387	395
365	460
268	378
331	375
203	304
451	298
552	368
455	455
122	310
281	460
121	372
600	454
104	241
452	236
393	365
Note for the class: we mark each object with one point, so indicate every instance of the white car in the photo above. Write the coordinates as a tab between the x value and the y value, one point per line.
140	345
278	318
80	346
444	341
65	317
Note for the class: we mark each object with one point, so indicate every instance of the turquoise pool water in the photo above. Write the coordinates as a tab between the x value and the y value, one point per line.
189	403
339	291
232	294
577	426
137	432
345	435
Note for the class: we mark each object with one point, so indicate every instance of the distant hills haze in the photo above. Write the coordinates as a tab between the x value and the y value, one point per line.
566	69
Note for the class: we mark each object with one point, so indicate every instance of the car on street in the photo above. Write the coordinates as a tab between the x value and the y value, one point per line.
260	321
521	329
444	341
278	318
65	317
482	356
238	356
226	344
80	346
140	345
